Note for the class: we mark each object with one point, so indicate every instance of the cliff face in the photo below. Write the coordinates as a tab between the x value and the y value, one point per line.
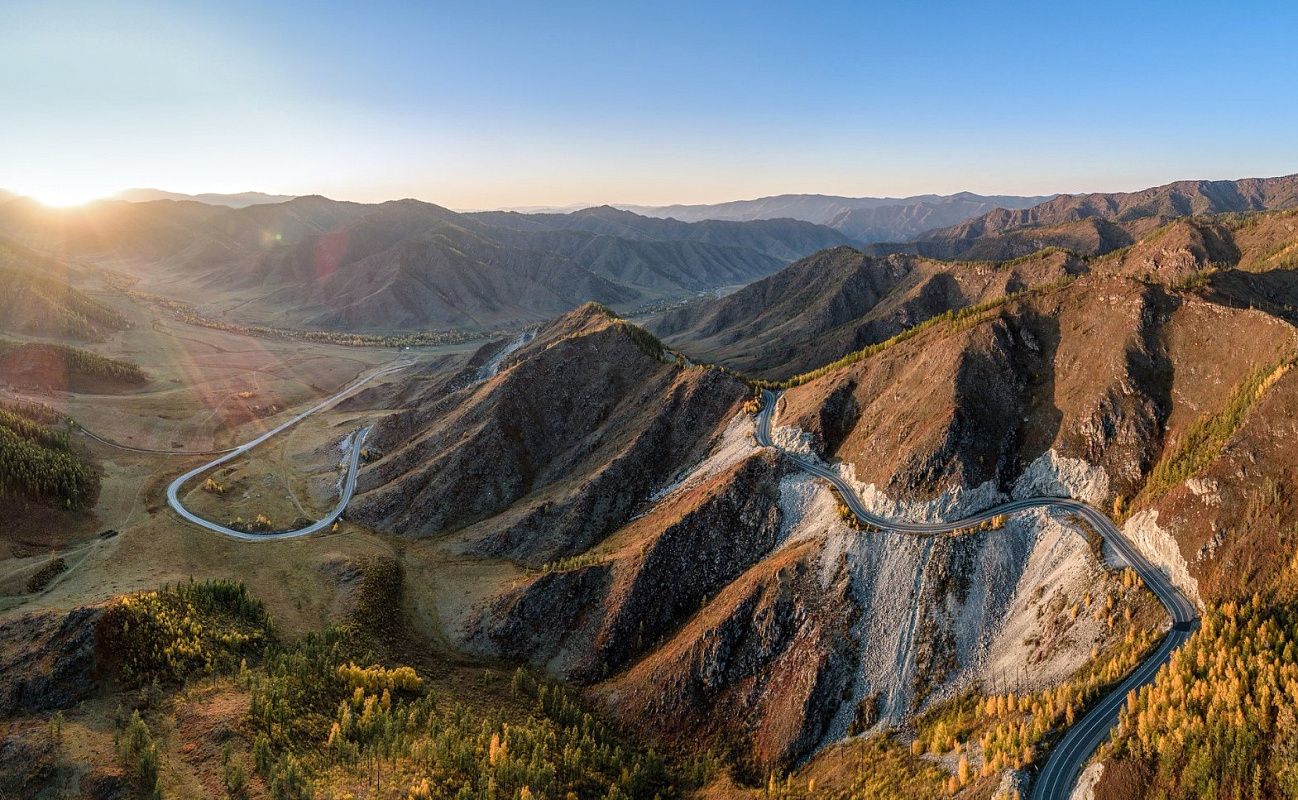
767	662
742	611
837	632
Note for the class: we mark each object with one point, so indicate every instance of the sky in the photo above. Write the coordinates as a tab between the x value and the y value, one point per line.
484	104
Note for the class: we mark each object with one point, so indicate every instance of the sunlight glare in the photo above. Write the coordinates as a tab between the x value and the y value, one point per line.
65	195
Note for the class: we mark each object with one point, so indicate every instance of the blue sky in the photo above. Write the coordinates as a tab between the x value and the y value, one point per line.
504	104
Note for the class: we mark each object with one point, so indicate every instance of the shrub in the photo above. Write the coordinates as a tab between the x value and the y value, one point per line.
51	570
46	473
82	362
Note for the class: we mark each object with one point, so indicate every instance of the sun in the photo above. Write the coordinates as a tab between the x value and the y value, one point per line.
65	195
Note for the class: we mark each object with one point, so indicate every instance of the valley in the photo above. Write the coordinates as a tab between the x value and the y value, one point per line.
868	526
697	401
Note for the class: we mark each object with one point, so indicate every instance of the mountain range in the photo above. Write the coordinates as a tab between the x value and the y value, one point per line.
837	301
236	200
703	590
1097	223
865	219
404	265
634	522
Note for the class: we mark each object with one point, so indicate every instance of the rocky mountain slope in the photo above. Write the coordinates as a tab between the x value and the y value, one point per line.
546	458
840	300
865	219
740	611
314	262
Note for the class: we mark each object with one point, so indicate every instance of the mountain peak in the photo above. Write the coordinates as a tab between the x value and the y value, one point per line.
606	212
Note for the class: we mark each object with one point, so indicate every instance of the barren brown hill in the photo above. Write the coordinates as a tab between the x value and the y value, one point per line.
584	422
642	583
835	302
840	300
1096	390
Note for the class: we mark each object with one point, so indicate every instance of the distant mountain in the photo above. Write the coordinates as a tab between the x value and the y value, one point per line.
786	239
1099	223
404	265
865	219
239	200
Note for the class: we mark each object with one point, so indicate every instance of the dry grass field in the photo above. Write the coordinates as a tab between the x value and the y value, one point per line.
207	390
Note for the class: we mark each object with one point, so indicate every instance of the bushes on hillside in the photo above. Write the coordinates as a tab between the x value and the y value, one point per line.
313	700
33	430
138	755
1204	440
176	632
1012	728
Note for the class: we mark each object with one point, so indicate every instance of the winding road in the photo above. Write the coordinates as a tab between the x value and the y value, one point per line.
1069	756
349	483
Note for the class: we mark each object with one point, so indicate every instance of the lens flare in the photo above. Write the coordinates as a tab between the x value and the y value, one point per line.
65	196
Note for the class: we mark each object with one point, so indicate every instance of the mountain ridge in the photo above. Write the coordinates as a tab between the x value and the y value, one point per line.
406	264
866	219
1097	223
231	200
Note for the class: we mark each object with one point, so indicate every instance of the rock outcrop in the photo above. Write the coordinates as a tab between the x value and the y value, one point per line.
47	660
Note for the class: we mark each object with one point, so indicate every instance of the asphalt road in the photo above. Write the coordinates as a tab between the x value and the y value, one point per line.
1069	756
349	483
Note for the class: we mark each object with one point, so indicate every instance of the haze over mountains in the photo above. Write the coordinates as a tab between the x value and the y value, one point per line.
865	219
237	200
311	262
404	265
